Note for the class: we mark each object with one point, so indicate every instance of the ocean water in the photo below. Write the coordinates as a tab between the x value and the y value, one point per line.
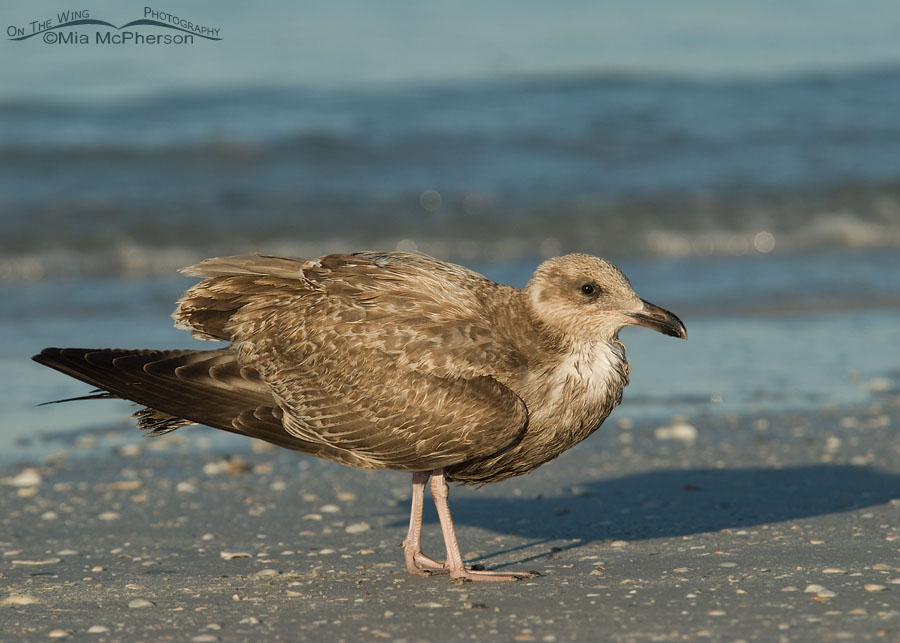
765	335
740	164
469	171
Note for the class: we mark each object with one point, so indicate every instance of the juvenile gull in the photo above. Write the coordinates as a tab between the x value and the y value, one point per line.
391	361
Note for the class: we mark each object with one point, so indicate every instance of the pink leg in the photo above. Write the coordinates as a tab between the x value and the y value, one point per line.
416	562
441	493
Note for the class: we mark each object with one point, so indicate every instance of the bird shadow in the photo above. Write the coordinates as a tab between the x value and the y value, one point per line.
672	503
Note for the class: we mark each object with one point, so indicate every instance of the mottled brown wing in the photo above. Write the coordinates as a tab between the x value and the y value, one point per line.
180	387
390	360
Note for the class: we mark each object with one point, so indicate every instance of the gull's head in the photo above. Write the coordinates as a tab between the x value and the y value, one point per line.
588	298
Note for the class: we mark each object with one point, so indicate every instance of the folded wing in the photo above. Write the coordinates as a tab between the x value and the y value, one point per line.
388	356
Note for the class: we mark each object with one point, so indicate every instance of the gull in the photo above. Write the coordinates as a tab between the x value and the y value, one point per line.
391	360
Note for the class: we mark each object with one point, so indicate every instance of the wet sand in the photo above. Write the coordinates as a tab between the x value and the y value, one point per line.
776	527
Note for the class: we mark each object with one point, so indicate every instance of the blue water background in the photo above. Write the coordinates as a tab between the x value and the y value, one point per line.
739	162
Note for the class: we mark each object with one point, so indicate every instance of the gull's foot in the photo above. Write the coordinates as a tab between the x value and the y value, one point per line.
419	564
474	574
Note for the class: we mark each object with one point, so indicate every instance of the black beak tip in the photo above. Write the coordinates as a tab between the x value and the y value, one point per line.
673	328
660	320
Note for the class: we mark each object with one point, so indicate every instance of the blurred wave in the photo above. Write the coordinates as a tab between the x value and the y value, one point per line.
471	171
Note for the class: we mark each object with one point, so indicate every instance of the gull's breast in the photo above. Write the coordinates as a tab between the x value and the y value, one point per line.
580	391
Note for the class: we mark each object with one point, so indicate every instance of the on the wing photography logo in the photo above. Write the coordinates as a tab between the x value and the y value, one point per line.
80	28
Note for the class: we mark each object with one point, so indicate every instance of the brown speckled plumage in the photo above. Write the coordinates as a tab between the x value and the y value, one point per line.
389	360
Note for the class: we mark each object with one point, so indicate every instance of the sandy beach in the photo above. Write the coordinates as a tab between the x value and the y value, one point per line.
764	527
737	162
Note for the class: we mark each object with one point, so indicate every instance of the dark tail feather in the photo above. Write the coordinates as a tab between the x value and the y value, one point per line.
178	387
181	387
95	395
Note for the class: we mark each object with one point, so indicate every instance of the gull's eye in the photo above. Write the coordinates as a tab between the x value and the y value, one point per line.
588	289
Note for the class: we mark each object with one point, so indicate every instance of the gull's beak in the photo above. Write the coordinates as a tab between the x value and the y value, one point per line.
659	319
